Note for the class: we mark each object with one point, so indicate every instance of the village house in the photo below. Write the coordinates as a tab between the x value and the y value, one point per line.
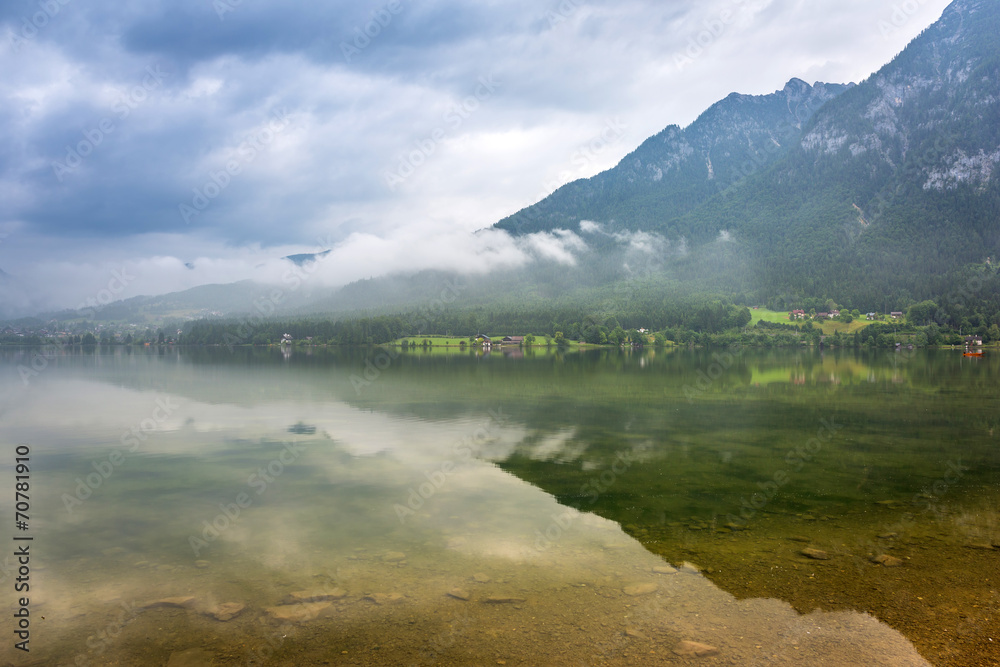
798	315
973	340
896	315
513	340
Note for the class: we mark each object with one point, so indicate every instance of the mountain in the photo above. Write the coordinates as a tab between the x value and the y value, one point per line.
674	171
245	298
876	195
892	186
307	258
884	191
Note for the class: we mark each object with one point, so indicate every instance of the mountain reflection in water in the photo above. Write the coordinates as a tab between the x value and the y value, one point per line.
456	510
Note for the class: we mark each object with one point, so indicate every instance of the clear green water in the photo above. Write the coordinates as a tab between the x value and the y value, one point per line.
460	509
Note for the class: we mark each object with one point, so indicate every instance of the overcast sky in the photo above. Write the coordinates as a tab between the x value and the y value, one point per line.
192	141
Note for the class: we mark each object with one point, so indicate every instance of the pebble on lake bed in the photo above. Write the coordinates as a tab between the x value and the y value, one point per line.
689	649
459	594
815	554
226	611
886	560
318	596
394	557
636	590
298	613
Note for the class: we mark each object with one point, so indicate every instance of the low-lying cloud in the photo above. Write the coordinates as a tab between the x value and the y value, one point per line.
66	284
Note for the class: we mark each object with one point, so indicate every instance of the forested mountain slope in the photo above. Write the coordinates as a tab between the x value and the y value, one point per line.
885	191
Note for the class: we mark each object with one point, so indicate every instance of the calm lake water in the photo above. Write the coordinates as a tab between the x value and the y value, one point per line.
365	507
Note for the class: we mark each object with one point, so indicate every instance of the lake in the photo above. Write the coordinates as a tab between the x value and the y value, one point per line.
196	506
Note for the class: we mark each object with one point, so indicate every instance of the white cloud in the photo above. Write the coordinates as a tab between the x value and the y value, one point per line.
323	177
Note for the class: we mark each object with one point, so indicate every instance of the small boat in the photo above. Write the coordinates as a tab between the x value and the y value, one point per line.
973	354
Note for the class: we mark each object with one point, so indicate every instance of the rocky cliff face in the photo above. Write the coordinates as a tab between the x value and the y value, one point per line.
678	169
931	114
736	135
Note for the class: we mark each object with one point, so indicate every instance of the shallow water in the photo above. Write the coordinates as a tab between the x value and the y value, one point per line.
460	509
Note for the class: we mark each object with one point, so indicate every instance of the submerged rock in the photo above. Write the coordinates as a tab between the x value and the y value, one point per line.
384	598
887	561
665	569
815	554
481	578
502	599
226	611
318	596
298	613
689	649
394	557
459	594
636	590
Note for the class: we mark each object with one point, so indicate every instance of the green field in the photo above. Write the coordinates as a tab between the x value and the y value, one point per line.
435	341
768	316
830	327
455	342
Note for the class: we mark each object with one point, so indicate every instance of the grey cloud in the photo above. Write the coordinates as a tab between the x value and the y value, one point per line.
564	66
